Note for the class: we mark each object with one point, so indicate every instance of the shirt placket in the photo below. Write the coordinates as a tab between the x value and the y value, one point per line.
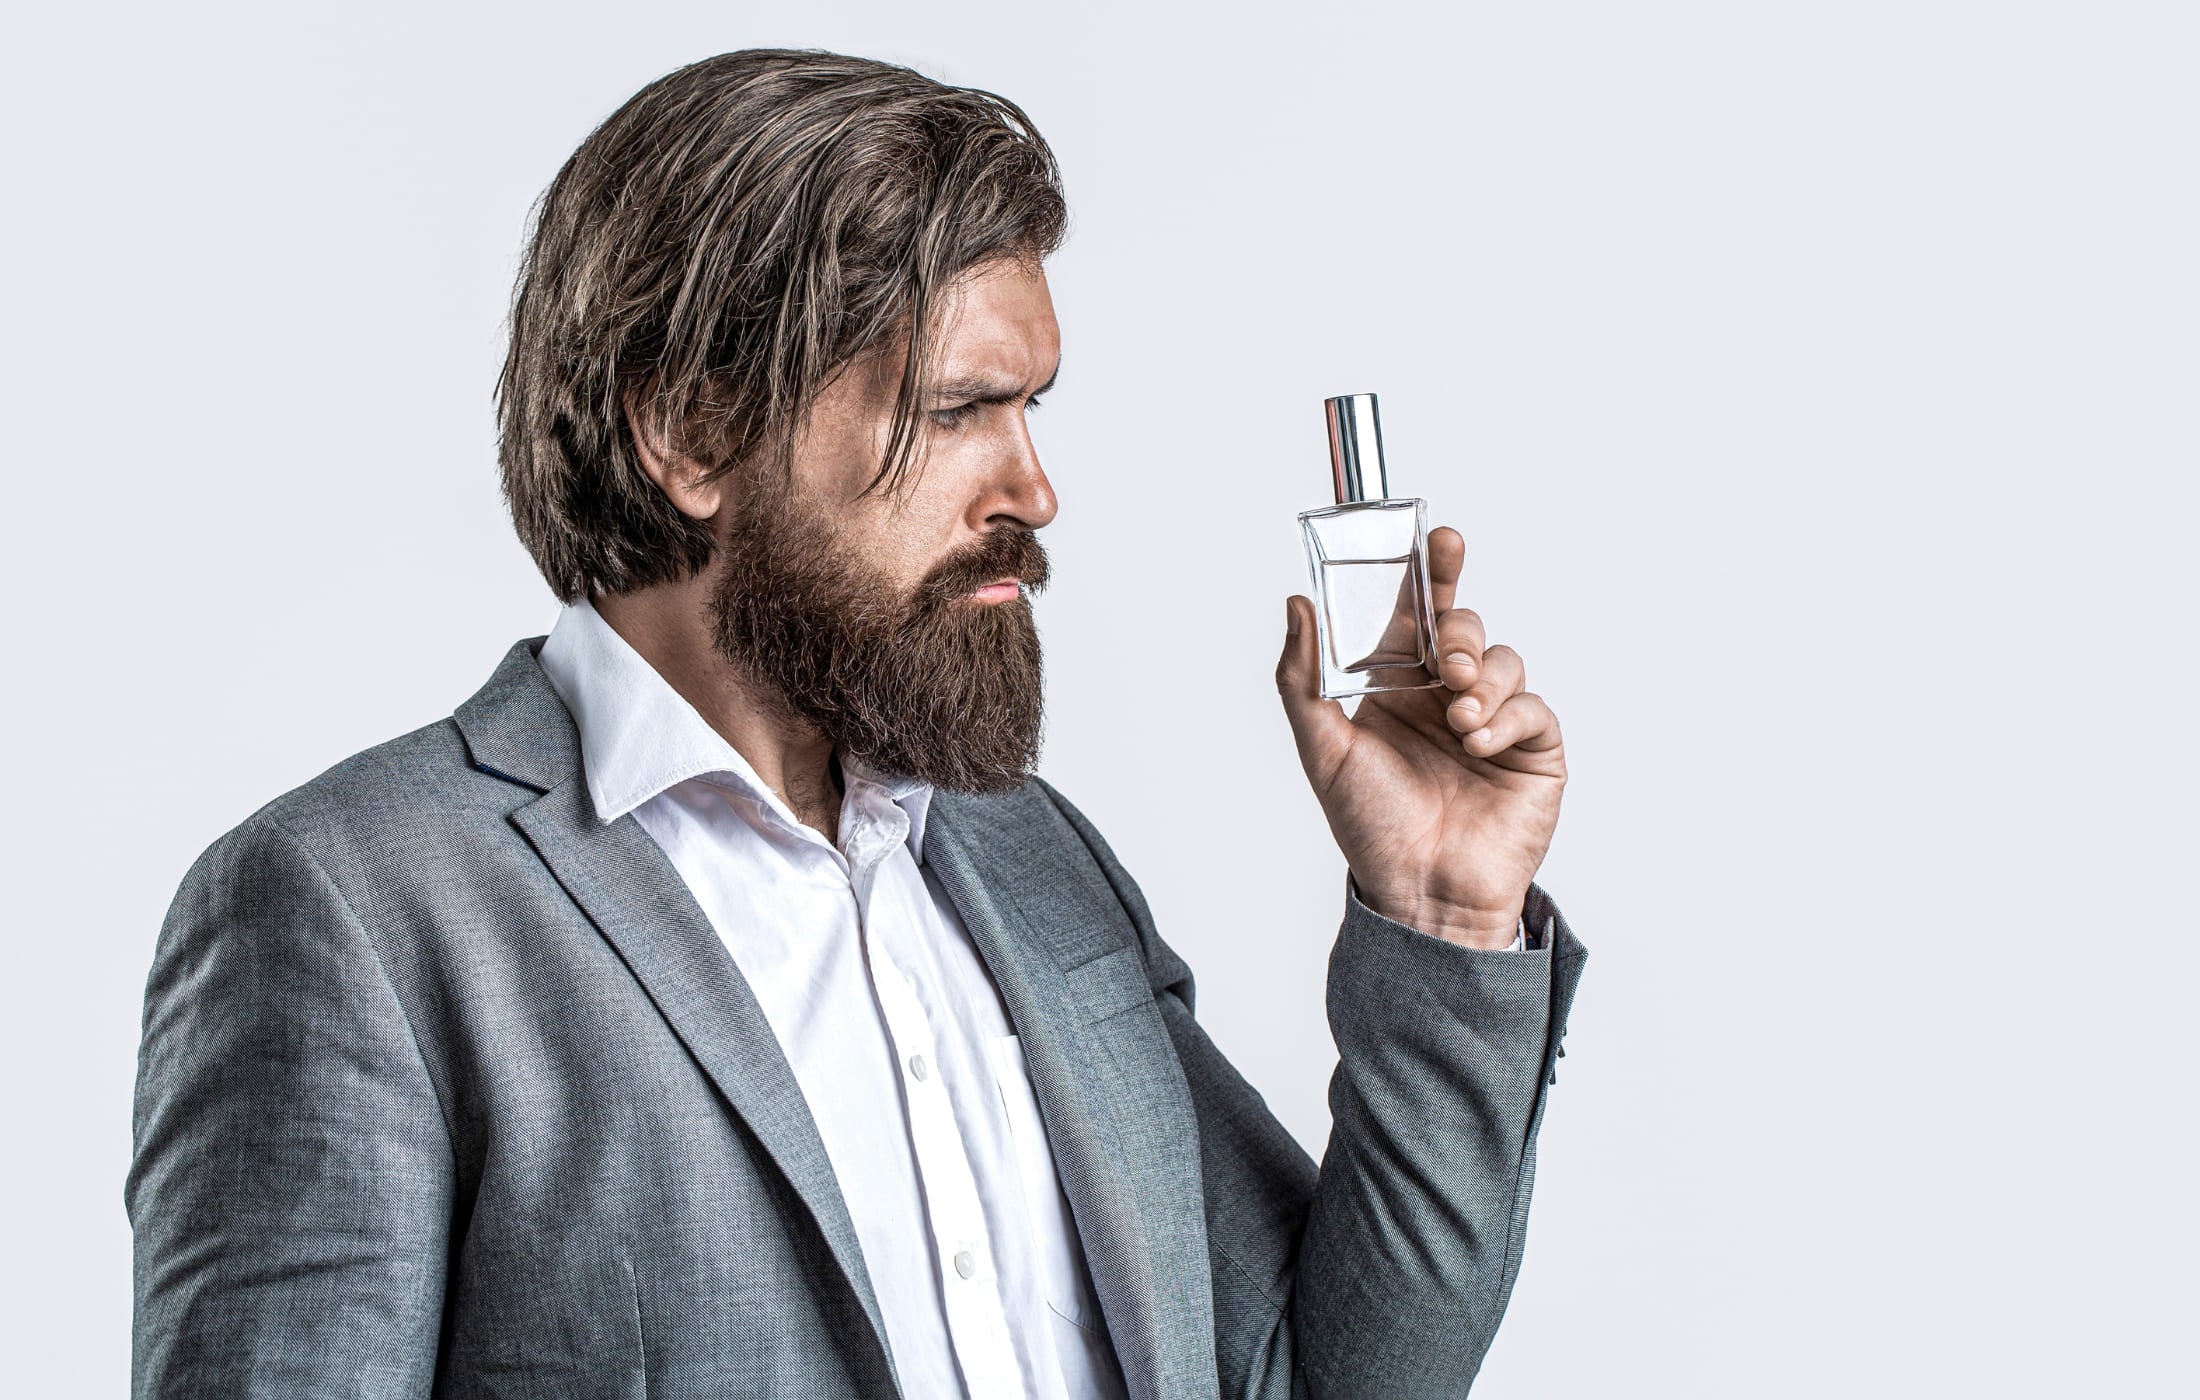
977	1320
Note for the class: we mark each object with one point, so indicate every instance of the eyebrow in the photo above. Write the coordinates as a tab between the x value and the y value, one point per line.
979	389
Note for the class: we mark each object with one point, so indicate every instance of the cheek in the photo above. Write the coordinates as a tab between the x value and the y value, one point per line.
897	546
901	537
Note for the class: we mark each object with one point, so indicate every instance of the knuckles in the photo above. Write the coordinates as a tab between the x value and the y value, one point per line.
1502	670
1461	628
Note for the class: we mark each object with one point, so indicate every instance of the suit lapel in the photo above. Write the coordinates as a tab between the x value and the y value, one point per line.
629	890
1118	1117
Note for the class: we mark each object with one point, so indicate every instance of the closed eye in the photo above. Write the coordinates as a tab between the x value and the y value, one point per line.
967	396
962	413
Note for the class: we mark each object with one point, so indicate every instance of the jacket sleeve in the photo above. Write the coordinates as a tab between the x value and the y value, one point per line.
291	1183
1385	1271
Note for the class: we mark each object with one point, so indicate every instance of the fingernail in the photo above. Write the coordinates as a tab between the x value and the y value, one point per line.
1470	706
1479	736
1290	619
1458	658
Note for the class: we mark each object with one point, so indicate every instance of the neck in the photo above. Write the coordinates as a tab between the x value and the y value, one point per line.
669	625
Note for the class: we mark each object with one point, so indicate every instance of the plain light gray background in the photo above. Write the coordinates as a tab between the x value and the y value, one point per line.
1813	383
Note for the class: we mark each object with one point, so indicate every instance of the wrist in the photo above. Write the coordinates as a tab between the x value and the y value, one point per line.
1488	929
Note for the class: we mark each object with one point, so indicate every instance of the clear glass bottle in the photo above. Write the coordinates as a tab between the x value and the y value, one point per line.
1367	557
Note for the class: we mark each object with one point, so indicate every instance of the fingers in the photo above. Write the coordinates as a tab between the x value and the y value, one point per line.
1447	556
1500	676
1459	644
1318	726
1523	724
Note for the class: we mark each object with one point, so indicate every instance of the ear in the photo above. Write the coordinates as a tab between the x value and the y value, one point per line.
687	483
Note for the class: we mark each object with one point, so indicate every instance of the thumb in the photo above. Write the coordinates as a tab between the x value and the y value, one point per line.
1319	726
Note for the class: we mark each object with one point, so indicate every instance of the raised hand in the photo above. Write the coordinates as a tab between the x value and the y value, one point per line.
1443	800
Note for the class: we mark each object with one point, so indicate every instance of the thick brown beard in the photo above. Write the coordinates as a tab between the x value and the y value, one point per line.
929	683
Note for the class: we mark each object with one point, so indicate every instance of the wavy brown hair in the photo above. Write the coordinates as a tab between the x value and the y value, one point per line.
737	233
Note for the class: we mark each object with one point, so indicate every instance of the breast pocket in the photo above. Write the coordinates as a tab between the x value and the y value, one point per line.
1061	1260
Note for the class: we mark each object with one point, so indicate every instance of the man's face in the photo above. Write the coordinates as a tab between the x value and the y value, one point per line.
978	472
896	620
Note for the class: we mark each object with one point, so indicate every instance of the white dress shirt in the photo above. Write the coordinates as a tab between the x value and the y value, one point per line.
889	1020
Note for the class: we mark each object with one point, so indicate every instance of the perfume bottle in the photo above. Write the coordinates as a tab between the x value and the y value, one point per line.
1367	557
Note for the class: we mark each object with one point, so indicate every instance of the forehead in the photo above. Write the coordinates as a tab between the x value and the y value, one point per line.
999	319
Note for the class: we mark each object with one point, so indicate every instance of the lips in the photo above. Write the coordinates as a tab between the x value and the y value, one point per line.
1003	564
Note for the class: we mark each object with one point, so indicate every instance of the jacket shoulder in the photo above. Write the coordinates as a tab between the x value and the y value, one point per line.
414	796
398	808
428	775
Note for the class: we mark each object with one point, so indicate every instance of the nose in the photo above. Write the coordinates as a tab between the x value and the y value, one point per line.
1021	495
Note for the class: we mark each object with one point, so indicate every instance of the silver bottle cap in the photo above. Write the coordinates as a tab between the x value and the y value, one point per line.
1356	448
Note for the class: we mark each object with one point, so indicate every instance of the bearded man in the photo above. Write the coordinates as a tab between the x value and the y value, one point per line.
716	1005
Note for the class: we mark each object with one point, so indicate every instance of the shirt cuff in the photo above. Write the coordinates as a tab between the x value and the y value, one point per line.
1528	938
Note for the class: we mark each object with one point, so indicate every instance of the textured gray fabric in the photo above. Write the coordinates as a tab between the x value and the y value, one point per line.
448	1088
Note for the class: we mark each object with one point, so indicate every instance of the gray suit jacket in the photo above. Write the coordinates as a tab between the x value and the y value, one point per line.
448	1088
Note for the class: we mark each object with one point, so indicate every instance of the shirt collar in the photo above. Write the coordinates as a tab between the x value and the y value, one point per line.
639	737
912	796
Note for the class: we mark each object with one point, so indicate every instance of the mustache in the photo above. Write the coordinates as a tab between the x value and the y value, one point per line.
1004	553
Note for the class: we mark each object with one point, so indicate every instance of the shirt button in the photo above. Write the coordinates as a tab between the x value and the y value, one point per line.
964	1264
919	1069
